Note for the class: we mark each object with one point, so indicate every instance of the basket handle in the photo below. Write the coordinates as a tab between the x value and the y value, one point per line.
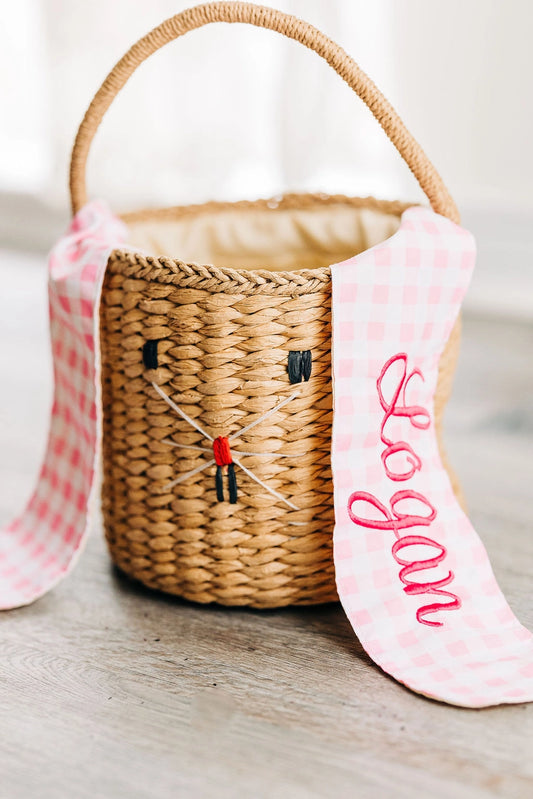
292	27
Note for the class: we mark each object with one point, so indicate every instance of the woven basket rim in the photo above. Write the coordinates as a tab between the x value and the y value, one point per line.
167	270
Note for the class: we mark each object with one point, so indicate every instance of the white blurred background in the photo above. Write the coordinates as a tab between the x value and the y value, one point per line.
233	112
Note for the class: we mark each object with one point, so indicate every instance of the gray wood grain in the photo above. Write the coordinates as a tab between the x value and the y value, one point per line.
108	690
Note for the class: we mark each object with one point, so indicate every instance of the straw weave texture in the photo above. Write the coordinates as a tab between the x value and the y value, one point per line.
224	337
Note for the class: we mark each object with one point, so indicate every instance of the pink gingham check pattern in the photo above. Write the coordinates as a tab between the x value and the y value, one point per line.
403	296
41	545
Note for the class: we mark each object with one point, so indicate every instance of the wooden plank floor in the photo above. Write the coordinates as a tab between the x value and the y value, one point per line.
107	690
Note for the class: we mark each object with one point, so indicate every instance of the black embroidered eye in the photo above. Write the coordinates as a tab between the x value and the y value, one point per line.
150	354
299	366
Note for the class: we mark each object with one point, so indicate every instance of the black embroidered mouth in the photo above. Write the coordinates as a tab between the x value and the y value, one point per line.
232	483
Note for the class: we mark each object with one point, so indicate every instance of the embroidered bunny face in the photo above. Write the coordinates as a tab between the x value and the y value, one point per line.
224	457
240	422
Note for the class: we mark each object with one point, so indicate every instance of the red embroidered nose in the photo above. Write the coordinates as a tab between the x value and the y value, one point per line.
222	451
224	462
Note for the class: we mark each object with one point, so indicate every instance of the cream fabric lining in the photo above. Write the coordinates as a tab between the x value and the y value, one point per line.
262	238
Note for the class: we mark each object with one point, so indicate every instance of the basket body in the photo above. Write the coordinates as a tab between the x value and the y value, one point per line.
223	341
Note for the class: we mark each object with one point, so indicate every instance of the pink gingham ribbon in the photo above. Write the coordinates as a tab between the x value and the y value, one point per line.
39	547
412	574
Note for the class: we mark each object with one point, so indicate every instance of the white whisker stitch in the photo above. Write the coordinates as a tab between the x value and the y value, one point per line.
183	477
180	412
265	485
184	446
241	432
264	416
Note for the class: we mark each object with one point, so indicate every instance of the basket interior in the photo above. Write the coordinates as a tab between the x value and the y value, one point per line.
267	234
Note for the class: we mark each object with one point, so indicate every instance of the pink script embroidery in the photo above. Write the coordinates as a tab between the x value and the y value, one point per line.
394	519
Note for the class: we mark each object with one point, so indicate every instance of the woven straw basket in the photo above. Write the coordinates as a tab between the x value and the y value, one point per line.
193	352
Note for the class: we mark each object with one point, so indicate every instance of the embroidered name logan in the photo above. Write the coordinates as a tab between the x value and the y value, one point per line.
392	517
